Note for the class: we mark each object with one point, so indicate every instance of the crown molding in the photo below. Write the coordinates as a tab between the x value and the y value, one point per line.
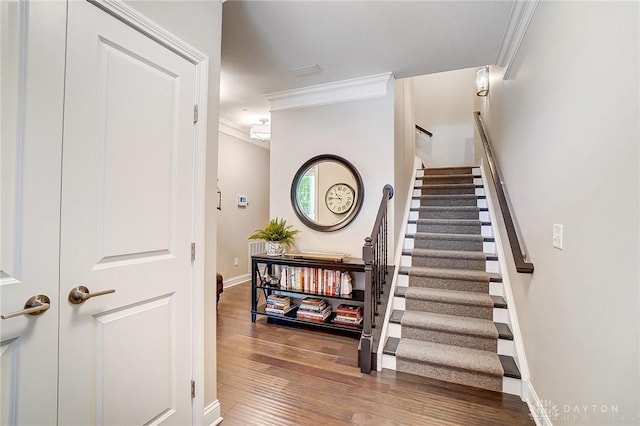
372	86
240	132
521	14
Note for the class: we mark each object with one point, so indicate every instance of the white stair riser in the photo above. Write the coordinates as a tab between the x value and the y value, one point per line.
403	280
395	330
405	261
500	315
496	289
505	347
389	362
409	243
512	386
489	247
399	303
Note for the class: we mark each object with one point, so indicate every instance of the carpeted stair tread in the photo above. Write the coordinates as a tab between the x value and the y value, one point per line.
508	365
446	189
453	324
452	237
448	185
451	175
475	360
448	212
447	170
468	222
449	296
436	208
449	254
447	208
437	179
460	274
498	301
448	199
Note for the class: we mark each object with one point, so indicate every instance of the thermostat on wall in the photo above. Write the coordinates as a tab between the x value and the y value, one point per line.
242	201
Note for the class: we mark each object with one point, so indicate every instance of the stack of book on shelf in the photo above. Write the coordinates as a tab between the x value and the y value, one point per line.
278	305
348	315
314	309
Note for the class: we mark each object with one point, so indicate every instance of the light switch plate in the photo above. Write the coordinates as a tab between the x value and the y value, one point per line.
557	236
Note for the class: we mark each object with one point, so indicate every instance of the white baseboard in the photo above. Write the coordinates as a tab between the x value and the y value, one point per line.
237	280
212	415
538	409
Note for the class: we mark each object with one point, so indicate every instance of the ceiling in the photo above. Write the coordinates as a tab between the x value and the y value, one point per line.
263	40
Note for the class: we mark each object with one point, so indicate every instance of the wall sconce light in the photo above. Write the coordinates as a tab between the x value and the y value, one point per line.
482	81
261	132
219	198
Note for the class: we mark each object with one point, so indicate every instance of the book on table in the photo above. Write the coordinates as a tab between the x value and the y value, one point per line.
278	305
314	309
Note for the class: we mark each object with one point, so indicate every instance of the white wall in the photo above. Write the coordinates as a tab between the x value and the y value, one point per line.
566	131
404	150
243	169
199	23
444	104
361	132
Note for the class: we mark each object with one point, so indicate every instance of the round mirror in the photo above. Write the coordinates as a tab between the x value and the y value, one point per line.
327	193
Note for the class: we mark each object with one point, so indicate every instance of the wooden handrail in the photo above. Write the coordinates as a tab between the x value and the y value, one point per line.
518	256
374	255
423	130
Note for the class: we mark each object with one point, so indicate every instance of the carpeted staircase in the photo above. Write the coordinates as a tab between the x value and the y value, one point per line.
449	317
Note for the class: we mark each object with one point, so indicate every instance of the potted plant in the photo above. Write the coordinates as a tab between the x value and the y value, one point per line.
277	234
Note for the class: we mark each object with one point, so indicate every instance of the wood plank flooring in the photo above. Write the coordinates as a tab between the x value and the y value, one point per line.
271	374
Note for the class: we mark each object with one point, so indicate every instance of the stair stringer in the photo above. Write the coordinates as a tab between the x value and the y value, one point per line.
518	349
417	164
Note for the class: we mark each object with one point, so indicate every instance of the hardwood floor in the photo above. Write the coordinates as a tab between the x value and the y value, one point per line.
271	374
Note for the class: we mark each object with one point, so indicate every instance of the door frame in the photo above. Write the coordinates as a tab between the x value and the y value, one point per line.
134	19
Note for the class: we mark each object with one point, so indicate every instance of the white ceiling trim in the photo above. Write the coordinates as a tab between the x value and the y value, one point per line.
239	132
517	26
372	86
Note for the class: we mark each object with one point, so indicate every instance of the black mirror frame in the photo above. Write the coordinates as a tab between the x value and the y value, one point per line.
357	204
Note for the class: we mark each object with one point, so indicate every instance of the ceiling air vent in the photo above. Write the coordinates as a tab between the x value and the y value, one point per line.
308	70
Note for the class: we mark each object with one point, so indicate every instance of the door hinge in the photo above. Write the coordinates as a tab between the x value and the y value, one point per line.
195	114
193	251
193	389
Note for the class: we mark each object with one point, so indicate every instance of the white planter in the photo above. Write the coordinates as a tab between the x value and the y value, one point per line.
275	248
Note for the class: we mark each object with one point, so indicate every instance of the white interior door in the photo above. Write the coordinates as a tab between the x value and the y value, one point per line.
32	35
127	225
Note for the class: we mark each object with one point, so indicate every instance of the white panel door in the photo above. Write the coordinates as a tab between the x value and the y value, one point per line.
127	219
32	35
